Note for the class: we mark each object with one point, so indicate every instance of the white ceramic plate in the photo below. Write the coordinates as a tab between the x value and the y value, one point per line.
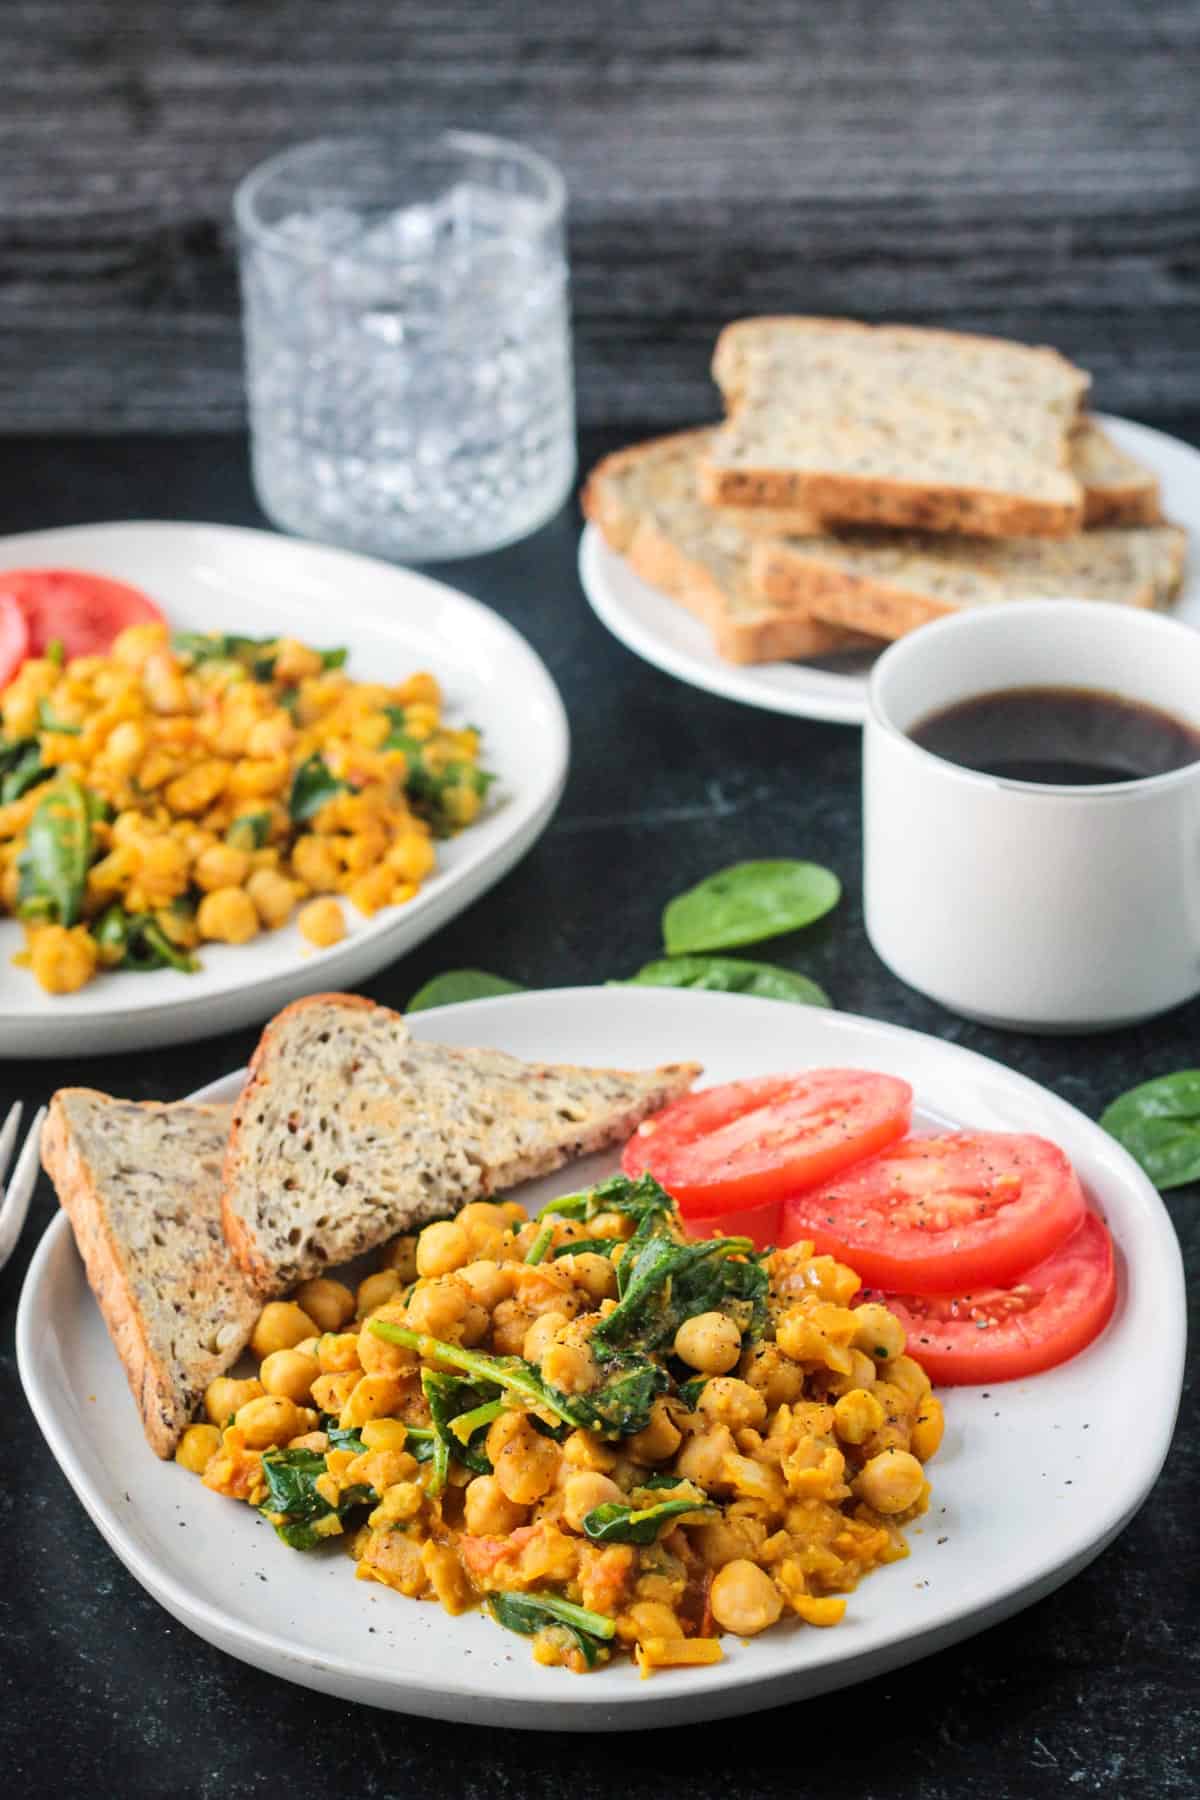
1034	1478
661	632
222	578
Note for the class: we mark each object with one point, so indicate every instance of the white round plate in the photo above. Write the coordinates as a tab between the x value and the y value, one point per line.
393	622
661	632
1033	1479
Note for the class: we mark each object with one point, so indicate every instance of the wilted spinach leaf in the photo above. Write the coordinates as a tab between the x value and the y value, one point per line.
312	787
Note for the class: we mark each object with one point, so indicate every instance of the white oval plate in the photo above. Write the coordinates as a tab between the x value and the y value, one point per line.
1034	1477
661	632
224	578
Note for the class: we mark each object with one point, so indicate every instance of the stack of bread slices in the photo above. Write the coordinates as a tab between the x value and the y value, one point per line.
867	479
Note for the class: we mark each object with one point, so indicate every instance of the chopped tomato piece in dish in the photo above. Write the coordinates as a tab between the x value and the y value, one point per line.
750	1142
939	1215
1048	1315
83	612
14	638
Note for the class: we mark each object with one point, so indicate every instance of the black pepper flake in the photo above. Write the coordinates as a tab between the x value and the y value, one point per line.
943	1540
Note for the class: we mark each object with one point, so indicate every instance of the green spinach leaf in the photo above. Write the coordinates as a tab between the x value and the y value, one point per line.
58	851
428	788
249	831
291	1477
748	902
449	1397
728	975
530	1613
615	1523
48	720
21	768
1158	1122
312	787
460	984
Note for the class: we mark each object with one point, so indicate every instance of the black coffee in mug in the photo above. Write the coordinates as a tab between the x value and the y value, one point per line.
1060	736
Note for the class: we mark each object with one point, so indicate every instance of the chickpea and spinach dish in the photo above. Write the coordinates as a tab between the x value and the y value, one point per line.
202	787
611	1436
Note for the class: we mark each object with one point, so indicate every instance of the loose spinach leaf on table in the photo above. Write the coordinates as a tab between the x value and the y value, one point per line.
728	975
460	984
616	1523
530	1613
312	787
1158	1122
747	902
58	850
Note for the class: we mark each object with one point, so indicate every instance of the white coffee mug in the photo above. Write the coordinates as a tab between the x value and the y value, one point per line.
1040	908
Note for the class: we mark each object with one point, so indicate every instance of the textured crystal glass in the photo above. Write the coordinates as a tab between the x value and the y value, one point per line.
408	352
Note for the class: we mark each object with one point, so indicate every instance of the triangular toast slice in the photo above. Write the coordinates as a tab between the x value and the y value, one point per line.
350	1130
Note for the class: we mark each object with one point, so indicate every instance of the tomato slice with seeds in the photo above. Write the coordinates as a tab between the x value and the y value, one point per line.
939	1215
1003	1333
748	1143
84	612
14	638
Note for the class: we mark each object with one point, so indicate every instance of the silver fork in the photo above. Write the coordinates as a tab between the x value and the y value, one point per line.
15	1197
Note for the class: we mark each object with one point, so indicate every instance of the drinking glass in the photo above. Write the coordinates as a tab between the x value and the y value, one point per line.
408	352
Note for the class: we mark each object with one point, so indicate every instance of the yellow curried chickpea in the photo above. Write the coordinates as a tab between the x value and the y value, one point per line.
274	897
281	1326
291	1374
376	1290
593	1273
338	1352
224	1396
384	1434
702	1458
377	1356
727	1401
710	1343
584	1492
322	922
372	1397
439	1307
196	1446
220	866
909	1377
926	1435
227	916
63	960
878	1333
487	1509
401	1255
541	1334
856	1415
268	1420
488	1281
744	1599
442	1248
329	1304
524	1462
658	1439
891	1482
569	1367
510	1327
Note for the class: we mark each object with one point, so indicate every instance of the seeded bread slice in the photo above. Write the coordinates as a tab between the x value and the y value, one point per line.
645	503
141	1184
349	1130
1117	490
897	426
889	583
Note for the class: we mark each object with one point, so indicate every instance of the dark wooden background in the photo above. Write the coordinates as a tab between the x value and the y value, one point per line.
1025	166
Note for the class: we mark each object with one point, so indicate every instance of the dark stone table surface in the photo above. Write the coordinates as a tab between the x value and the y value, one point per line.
1095	1690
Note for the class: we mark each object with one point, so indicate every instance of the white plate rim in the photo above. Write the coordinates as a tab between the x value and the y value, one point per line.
836	698
728	1688
236	1001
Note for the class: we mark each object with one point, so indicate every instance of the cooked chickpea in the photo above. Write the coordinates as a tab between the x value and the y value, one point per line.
274	897
269	1420
372	1397
401	1255
227	916
744	1599
909	1377
710	1342
524	1462
220	866
657	1439
541	1335
281	1326
488	1281
291	1374
197	1445
584	1493
338	1352
926	1435
384	1434
376	1290
878	1333
62	959
331	1392
724	1400
438	1307
650	1619
594	1274
316	865
856	1415
487	1509
329	1304
891	1482
224	1396
322	922
376	1355
570	1367
702	1458
442	1248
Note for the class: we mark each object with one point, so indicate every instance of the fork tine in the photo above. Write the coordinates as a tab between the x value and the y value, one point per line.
8	1136
19	1192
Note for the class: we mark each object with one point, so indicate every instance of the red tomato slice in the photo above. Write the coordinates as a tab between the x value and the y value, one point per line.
14	638
1003	1333
84	611
761	1224
749	1142
939	1215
